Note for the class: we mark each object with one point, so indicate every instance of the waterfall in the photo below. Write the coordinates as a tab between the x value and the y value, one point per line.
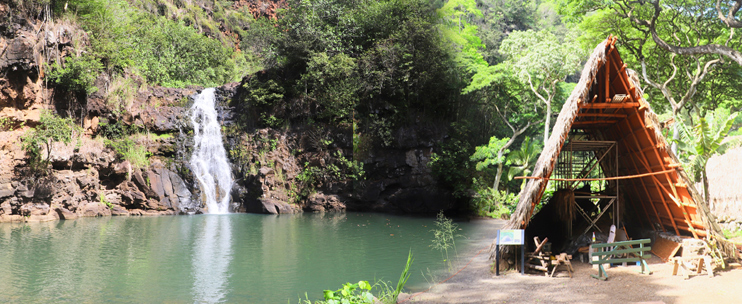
209	160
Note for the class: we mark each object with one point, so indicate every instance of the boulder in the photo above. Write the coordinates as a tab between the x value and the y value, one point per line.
65	214
43	217
131	197
319	202
271	206
6	190
6	218
29	209
94	209
5	208
141	183
119	211
181	192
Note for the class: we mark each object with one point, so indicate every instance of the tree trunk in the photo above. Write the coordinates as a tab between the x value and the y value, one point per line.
675	138
497	177
547	123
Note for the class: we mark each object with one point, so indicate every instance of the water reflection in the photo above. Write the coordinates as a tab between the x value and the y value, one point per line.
211	258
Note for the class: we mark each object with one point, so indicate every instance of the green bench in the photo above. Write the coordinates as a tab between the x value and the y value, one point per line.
608	252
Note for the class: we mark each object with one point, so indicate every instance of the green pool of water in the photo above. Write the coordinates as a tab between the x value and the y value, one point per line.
241	258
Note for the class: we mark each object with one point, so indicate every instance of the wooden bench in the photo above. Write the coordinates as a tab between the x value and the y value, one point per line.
605	253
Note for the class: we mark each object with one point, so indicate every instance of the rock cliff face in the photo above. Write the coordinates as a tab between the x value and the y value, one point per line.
399	178
271	170
87	178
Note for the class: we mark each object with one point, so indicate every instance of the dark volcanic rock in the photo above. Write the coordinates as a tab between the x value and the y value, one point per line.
272	206
319	202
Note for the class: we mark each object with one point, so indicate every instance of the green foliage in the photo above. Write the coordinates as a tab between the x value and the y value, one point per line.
127	149
705	140
521	161
7	124
166	52
402	280
728	234
443	237
113	130
456	16
358	293
51	128
493	203
175	55
491	154
450	164
104	201
77	74
541	56
333	83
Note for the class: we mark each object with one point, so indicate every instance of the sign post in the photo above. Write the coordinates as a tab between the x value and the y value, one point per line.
510	237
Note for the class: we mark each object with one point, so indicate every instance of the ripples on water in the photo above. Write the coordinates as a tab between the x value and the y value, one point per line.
242	258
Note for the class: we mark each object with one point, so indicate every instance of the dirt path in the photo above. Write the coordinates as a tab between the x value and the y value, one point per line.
477	284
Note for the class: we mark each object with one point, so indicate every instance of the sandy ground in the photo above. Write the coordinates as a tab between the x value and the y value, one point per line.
477	284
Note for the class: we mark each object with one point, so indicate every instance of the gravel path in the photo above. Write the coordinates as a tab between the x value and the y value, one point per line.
477	284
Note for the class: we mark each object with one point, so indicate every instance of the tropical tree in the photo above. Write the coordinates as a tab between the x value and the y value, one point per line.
521	161
491	154
705	140
679	45
538	59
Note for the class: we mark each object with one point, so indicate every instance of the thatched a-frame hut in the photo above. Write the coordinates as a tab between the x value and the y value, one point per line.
606	111
725	184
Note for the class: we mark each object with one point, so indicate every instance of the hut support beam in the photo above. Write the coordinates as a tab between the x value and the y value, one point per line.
633	183
645	162
646	191
667	175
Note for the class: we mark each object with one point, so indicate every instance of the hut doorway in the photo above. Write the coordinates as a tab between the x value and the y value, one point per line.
582	167
585	199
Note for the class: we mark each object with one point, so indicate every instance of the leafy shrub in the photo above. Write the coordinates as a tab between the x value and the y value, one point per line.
350	293
332	83
360	293
166	52
77	74
450	163
113	130
51	128
172	54
493	203
127	149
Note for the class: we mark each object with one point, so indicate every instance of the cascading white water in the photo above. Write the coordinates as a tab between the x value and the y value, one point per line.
209	160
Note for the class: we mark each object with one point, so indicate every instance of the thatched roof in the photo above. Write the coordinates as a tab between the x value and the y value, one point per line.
725	183
607	104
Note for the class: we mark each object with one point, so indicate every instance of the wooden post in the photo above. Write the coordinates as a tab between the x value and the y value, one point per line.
523	259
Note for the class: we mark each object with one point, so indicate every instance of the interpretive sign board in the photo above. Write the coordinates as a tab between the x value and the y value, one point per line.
510	237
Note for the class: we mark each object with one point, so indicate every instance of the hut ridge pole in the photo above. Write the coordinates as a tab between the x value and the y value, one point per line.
622	71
